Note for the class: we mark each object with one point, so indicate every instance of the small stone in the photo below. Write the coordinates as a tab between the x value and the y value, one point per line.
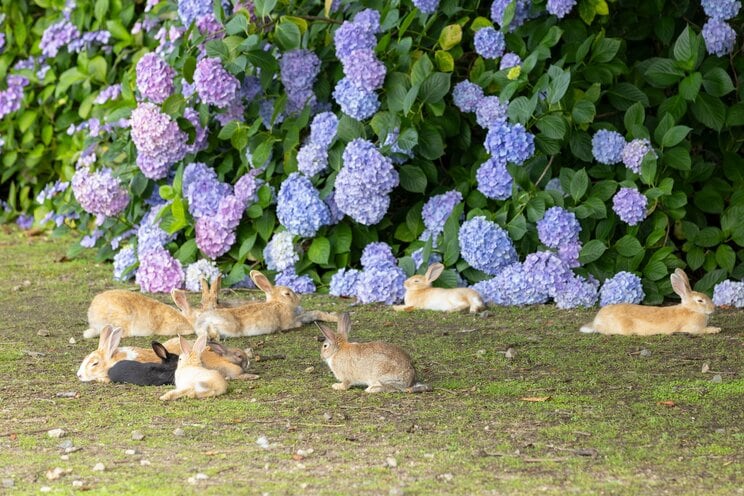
201	476
391	462
481	353
45	489
72	341
645	353
27	283
42	332
137	436
706	368
446	477
99	467
145	463
716	379
510	353
179	432
56	433
67	443
301	466
429	456
305	452
77	483
64	458
310	370
484	314
327	416
72	449
263	442
8	483
395	491
130	452
54	474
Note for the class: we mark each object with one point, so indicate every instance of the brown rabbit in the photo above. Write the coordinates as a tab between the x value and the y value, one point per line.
690	316
232	363
421	294
280	311
382	367
193	380
95	366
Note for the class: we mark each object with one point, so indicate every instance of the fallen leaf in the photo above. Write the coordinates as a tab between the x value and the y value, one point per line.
535	399
668	403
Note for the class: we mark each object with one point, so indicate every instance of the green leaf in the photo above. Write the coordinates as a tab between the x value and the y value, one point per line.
186	253
342	238
410	99
623	95
444	60
583	112
265	225
68	78
100	10
521	109
663	73
695	258
677	158
435	87
628	246
709	280
118	31
605	50
27	119
552	126
227	130
635	115
421	70
237	25
710	111
431	144
655	270
686	48
450	36
708	237
264	7
166	192
451	236
558	87
320	250
674	135
288	36
717	82
174	105
726	257
579	184
735	116
217	48
591	251
412	178
349	128
407	139
689	87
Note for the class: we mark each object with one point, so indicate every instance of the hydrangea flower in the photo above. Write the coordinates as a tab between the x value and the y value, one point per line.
355	35
12	97
721	9
299	207
369	19
230	210
354	101
250	88
485	245
384	285
57	36
491	112
634	153
437	210
158	272
418	258
202	190
25	221
90	240
312	159
150	235
729	294
569	253
99	193
155	77
512	286
498	7
547	271
323	129
576	292
344	282
190	10
200	132
108	93
213	237
510	142
299	284
720	38
210	27
51	190
279	253
123	261
426	6
558	227
298	70
560	8
246	188
336	214
203	268
555	185
623	287
158	139
607	146
494	180
214	84
266	112
233	112
630	205
364	70
489	43
509	60
467	96
378	255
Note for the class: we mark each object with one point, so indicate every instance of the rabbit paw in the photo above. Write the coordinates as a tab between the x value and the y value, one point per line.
247	377
341	386
91	333
712	330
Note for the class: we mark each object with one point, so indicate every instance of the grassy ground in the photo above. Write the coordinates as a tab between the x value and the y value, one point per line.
623	415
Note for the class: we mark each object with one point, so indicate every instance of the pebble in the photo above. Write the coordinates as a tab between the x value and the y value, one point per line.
8	483
130	452
395	491
64	458
446	477
72	341
99	467
56	433
716	379
706	368
310	370
137	436
263	442
645	353
77	483
145	463
510	353
480	352
67	443
327	416
305	452
42	333
179	432
391	462
45	489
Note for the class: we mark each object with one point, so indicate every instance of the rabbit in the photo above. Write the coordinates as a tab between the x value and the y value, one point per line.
690	316
230	362
421	294
280	311
382	367
192	379
138	315
146	374
95	366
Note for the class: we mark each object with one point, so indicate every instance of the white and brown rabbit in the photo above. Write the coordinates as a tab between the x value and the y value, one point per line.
232	363
382	367
280	311
96	365
421	294
193	380
690	316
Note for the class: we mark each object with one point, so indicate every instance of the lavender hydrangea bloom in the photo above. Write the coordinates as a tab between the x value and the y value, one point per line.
511	286
158	139
369	19
555	185
12	97
250	88
99	193
299	207
354	101
400	155
203	268
323	129
377	255
150	235
560	8
491	112
384	285
214	84
467	96
558	227
116	241
510	142
123	261
352	36
158	272
213	237
576	292
547	271
279	253
607	146
729	294
520	15
489	43
630	205
721	9
90	240
2	42
418	258
233	112
108	93
634	153
57	36
509	60
190	10
494	180
202	190
25	221
485	245
155	77
229	211
720	38
298	70
51	190
210	27
426	6
623	287
437	210
569	253
312	159
363	69
246	188
200	132
344	282
299	284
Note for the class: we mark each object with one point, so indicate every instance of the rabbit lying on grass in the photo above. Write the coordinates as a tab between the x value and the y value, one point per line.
193	380
146	373
421	294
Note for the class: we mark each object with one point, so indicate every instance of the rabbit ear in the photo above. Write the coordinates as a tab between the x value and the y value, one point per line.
159	350
104	337
216	286
434	271
680	283
185	345
344	325
327	332
217	347
113	342
261	281
200	345
179	298
205	291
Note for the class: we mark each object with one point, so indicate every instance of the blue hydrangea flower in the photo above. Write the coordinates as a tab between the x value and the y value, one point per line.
12	97
721	9
623	287
352	36
437	210
630	205
426	6
57	36
729	294
190	10
369	19
576	292
214	84
336	214
266	112
491	112
155	77
547	271
489	43
485	245
569	253
323	129
720	38
510	142
298	70
344	283
364	70
494	180
520	16
560	8
634	153
418	258
512	286
246	188
159	141
280	253
299	284
312	159
90	240
299	207
509	60
158	272
203	268
25	221
558	227
202	190
467	96
384	285
124	260
555	185
378	255
607	146
149	233
354	101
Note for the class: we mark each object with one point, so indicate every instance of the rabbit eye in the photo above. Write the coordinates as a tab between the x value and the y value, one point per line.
94	363
325	345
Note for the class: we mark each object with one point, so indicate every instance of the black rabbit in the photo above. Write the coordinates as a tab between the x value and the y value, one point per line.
147	374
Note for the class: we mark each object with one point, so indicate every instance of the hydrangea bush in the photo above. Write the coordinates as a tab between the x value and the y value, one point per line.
537	149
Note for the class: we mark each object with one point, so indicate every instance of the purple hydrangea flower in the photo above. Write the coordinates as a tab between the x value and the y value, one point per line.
558	227
494	180
123	262
383	284
576	292
214	84
57	36
279	253
312	159
203	268
721	9
299	207
520	16
210	27
512	286
202	190
729	294
720	38
630	205
116	240
369	19
344	282
569	253
547	271
233	112
266	112
354	35
378	255
623	287
560	8
510	142
2	42
246	188
25	221
418	258
607	146
51	190
200	132
634	153
298	70
190	10
323	129
467	96
363	69
90	240
485	245
158	139
108	93
354	101
99	193
250	88
299	284
437	210
509	60
150	235
213	237
12	97
426	6
229	211
158	272
489	43
491	112
155	77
